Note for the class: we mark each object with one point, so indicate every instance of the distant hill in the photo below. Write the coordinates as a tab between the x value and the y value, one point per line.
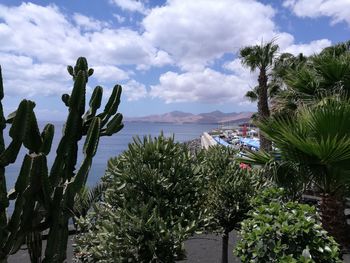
214	117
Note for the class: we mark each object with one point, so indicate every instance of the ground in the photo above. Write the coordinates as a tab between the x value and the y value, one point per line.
200	248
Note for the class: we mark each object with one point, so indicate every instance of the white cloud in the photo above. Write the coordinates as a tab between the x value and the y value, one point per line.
131	5
134	90
21	75
57	40
197	32
88	23
123	46
109	74
187	34
54	39
337	10
314	47
244	73
208	86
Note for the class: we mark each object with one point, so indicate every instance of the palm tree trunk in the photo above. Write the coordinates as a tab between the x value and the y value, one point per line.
334	219
263	107
224	257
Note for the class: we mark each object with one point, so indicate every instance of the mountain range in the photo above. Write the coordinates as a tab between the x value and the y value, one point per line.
214	117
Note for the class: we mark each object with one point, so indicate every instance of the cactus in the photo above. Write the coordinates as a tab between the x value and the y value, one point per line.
47	198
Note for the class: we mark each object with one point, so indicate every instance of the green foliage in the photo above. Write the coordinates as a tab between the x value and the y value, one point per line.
268	195
85	200
289	175
229	188
317	139
152	205
259	56
215	161
42	198
285	232
229	196
310	81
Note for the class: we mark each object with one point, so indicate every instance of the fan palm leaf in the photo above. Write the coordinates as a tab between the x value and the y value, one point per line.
317	137
315	78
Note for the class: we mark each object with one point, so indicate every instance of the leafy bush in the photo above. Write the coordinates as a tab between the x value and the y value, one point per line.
293	177
215	160
229	198
230	189
152	205
269	195
285	232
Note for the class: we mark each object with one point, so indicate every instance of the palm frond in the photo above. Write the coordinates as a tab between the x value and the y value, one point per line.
259	56
316	136
87	197
251	95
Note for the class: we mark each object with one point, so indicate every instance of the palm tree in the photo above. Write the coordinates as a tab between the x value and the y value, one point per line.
337	50
85	200
282	101
284	63
272	90
317	140
311	80
261	57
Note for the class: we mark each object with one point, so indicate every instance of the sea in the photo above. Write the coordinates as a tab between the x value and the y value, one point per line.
110	146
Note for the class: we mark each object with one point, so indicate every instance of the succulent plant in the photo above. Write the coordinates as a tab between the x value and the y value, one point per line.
46	198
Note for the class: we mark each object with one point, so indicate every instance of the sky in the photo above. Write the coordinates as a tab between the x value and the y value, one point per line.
168	55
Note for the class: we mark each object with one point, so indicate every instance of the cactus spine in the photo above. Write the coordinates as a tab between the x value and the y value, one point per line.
47	198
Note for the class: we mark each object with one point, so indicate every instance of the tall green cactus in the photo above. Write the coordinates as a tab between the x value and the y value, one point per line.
45	198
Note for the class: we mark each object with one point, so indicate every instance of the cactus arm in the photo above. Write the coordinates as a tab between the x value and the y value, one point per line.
92	138
55	251
4	203
23	122
65	99
112	105
23	177
34	244
10	154
90	148
31	185
95	102
77	98
32	139
47	137
66	158
24	129
80	65
22	193
114	125
58	235
46	187
57	246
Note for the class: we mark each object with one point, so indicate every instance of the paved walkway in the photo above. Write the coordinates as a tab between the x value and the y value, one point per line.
200	248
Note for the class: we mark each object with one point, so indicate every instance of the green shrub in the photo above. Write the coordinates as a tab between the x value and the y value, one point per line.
285	232
229	189
229	198
153	204
215	160
268	195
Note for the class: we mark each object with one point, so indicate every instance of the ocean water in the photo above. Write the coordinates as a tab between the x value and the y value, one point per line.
111	146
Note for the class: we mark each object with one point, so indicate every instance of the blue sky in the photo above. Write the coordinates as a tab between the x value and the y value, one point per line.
168	55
